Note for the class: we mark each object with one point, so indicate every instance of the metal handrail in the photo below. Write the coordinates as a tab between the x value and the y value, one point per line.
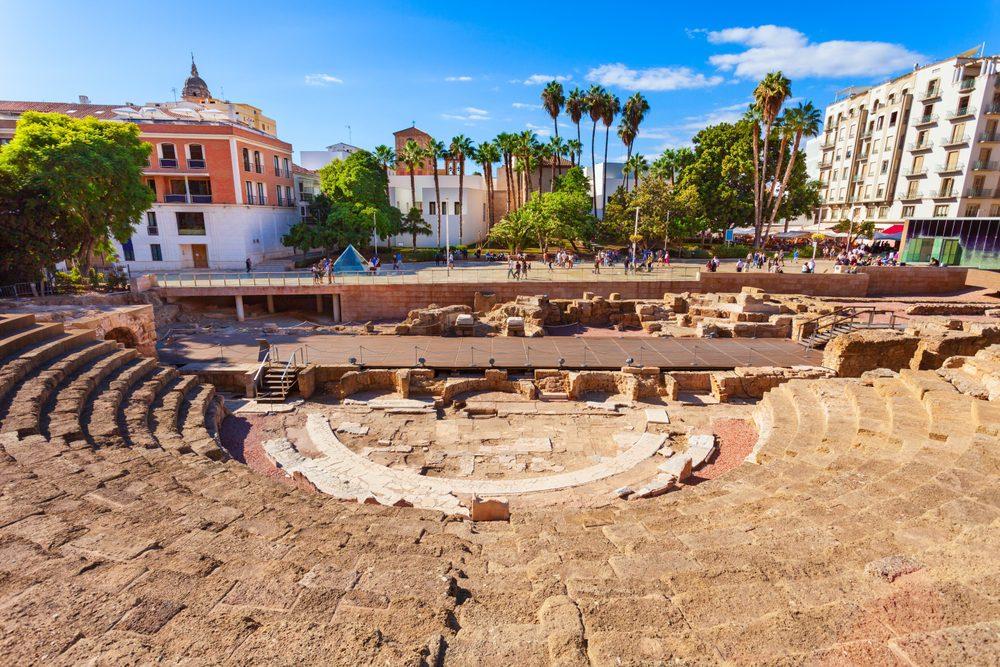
273	350
299	353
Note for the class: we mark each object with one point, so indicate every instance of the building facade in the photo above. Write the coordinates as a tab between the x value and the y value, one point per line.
315	160
224	189
922	145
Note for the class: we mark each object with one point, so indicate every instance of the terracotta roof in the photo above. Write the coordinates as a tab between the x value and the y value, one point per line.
69	108
298	169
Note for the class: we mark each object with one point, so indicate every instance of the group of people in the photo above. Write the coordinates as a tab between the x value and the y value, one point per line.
562	259
324	267
518	266
861	256
758	260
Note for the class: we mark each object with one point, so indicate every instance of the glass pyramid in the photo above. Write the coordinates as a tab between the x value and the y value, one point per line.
350	261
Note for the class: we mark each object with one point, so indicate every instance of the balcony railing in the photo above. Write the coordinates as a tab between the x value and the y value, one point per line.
168	163
251	199
246	166
152	230
989	137
925	146
912	195
196	164
308	196
986	165
862	157
948	168
259	168
927	119
201	199
187	199
979	193
932	93
954	141
960	113
966	84
828	143
993	109
175	199
944	193
277	171
915	172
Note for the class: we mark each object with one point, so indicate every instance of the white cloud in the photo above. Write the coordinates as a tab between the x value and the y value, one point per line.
727	114
651	78
461	79
538	129
468	114
321	79
537	79
525	105
476	112
772	47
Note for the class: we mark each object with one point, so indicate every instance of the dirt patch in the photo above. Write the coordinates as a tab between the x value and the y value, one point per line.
735	438
243	437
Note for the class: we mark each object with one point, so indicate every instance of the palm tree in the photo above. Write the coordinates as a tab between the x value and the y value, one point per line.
596	99
573	149
525	148
505	142
460	147
386	157
769	95
556	148
553	100
412	155
436	150
543	154
801	121
487	154
612	105
577	104
639	165
632	117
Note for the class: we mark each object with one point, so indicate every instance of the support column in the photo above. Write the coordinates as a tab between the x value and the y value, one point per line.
239	308
319	303
270	303
336	308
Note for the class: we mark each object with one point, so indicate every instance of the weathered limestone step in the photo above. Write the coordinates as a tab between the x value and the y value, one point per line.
16	341
921	382
103	425
872	412
28	360
776	426
810	418
136	416
12	323
167	412
200	402
24	416
64	420
986	416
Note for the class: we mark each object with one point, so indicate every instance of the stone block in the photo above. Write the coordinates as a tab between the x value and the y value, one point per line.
490	509
679	467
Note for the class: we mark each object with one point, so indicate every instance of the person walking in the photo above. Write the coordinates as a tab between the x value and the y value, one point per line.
510	265
249	265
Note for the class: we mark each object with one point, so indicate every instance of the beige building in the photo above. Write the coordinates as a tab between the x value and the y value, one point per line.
924	144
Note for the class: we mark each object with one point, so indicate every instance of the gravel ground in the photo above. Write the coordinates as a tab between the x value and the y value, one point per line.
736	438
243	437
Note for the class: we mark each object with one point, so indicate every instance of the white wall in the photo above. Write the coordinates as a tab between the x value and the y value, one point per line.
475	223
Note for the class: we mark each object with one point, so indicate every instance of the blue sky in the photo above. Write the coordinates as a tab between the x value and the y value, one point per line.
467	67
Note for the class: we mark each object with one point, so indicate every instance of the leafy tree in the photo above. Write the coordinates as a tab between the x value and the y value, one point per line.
553	100
632	116
68	186
855	230
666	211
563	214
461	147
597	98
609	110
413	223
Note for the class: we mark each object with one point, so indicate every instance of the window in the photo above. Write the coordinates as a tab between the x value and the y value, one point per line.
458	208
883	211
288	173
249	192
152	185
168	155
952	161
196	156
963	106
152	228
918	165
257	166
947	187
246	159
932	88
892	118
128	251
155	253
190	223
957	133
941	211
260	194
878	122
972	210
281	199
885	167
908	211
921	139
277	166
288	196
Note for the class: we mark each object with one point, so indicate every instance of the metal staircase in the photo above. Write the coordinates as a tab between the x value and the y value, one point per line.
845	320
276	379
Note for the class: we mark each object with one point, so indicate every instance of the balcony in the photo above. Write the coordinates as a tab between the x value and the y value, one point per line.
201	199
965	85
828	143
168	163
911	195
152	230
926	119
246	166
308	196
866	134
944	193
187	199
196	164
958	114
931	94
955	141
287	173
986	165
992	109
979	193
175	199
925	146
990	138
950	168
915	173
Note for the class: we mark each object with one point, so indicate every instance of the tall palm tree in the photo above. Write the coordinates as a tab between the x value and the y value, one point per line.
436	150
576	106
626	132
769	96
413	156
573	149
386	157
632	116
612	106
486	155
525	153
461	146
804	120
553	100
556	148
543	155
639	166
505	142
596	99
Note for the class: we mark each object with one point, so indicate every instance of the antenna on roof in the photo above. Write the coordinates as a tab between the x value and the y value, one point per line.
175	93
349	138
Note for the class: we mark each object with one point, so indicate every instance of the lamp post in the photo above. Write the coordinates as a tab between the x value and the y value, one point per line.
635	235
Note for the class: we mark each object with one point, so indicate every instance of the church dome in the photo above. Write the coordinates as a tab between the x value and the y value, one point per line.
195	87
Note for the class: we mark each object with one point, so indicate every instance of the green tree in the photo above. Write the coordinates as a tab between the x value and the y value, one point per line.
413	223
436	150
461	147
387	158
561	215
769	96
74	183
666	211
633	114
487	154
609	111
597	98
577	105
553	100
413	156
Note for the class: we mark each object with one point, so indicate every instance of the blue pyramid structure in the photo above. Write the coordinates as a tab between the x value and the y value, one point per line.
350	261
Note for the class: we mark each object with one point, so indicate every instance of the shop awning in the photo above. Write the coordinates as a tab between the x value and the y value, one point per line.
893	229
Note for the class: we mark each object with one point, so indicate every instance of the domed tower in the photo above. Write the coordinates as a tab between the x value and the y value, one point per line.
195	88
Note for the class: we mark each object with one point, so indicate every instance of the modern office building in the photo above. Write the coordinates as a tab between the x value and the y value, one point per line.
922	145
223	185
971	242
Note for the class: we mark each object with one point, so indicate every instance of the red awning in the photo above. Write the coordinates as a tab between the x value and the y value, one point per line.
893	229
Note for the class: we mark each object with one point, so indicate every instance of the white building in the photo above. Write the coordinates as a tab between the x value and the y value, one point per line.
307	186
315	160
924	144
474	225
609	178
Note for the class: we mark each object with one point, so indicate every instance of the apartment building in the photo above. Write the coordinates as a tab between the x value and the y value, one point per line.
922	145
224	188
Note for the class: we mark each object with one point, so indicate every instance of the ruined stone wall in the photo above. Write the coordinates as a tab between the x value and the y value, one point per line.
754	382
136	320
854	353
931	352
493	380
354	381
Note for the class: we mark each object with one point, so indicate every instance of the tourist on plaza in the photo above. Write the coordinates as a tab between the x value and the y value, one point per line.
510	266
597	264
375	263
396	261
249	265
525	265
739	265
